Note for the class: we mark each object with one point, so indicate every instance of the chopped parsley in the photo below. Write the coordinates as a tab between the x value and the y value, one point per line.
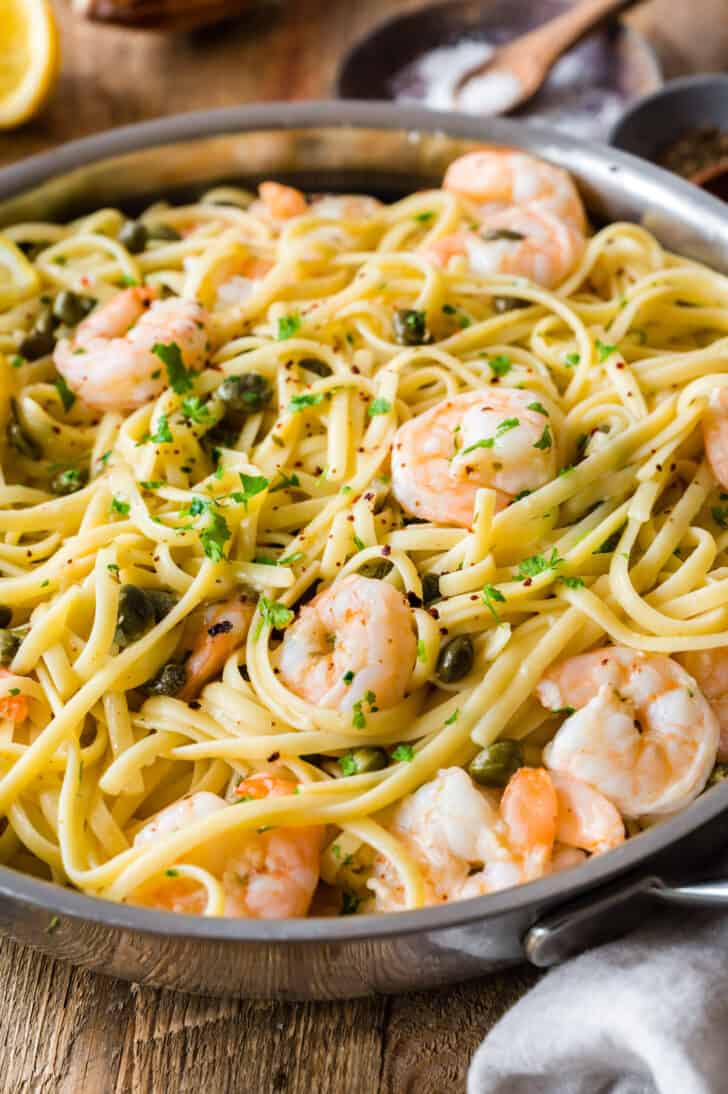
358	720
151	484
66	395
288	325
453	717
288	560
181	380
572	359
252	485
421	650
112	568
300	402
503	427
359	543
500	365
120	507
378	406
544	442
349	902
719	513
163	433
539	408
274	614
490	595
17	361
347	764
424	218
285	482
604	350
573	582
609	544
348	676
194	410
214	537
403	754
538	564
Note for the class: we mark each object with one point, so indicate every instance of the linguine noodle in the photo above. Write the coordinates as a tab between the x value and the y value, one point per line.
626	544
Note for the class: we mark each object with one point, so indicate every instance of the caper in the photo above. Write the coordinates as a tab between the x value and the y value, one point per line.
717	775
313	364
163	232
20	441
410	327
68	481
170	680
136	614
361	760
162	602
9	644
70	308
496	763
31	250
430	588
497	235
503	304
6	615
41	340
376	568
455	660
45	322
244	395
134	236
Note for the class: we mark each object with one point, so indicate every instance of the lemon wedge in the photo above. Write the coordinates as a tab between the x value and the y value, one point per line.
28	58
18	279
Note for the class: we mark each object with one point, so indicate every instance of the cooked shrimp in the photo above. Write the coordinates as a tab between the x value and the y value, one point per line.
498	178
264	875
710	669
586	819
530	219
282	202
14	707
467	845
530	242
642	732
715	435
353	641
488	438
346	206
221	630
464	844
109	362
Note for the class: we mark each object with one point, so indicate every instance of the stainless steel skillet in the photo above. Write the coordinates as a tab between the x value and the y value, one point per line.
387	150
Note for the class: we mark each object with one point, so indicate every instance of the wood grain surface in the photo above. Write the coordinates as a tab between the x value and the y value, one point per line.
67	1031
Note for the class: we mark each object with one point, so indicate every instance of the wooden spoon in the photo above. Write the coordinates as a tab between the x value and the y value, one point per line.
514	72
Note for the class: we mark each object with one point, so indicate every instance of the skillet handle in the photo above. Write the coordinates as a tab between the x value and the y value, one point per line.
610	912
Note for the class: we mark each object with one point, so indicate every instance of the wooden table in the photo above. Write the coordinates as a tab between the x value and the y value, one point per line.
67	1031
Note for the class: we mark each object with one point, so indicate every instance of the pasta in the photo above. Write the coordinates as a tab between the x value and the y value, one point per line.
308	535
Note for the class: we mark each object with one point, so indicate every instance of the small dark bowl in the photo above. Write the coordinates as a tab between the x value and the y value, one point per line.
659	119
613	57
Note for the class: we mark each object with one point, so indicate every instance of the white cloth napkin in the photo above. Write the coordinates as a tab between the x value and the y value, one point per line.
645	1015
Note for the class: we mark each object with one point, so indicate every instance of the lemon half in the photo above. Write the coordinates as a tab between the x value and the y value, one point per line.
28	58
